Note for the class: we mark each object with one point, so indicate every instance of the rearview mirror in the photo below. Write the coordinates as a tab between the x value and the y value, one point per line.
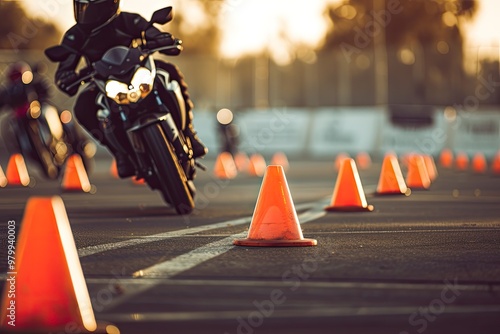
162	16
57	53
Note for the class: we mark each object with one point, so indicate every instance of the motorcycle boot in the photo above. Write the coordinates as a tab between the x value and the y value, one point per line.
199	149
119	145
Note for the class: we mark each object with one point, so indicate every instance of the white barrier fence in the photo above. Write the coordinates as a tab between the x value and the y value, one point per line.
325	132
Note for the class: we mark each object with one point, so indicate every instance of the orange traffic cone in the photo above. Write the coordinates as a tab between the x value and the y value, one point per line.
75	177
113	170
274	221
495	164
257	165
391	181
479	164
462	161
241	160
17	172
338	160
225	167
279	158
431	167
363	160
418	176
348	194
138	181
51	293
3	178
446	158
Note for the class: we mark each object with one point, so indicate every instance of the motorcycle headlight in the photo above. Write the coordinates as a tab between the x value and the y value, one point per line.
140	87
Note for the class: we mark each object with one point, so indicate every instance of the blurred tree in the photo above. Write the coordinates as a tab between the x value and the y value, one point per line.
196	23
18	31
423	41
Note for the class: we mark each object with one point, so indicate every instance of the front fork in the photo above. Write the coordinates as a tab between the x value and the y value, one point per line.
172	133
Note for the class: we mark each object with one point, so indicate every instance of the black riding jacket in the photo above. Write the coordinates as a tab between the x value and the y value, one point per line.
92	44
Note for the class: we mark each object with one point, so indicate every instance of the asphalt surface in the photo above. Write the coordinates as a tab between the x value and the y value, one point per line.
429	262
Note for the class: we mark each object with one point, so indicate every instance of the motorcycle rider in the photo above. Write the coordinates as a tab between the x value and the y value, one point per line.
21	84
100	25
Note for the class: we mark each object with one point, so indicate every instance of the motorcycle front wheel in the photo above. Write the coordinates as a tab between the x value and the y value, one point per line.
172	180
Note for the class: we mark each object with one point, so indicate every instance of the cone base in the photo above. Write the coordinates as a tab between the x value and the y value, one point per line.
393	193
369	208
102	328
275	243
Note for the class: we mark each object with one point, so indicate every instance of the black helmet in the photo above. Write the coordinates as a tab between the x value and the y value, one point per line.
95	12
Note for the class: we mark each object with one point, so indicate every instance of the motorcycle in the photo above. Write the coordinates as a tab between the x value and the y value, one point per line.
152	110
45	136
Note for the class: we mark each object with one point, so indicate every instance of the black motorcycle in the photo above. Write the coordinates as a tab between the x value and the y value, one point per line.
45	136
152	110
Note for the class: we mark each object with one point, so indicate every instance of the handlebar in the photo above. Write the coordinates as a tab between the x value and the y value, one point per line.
89	72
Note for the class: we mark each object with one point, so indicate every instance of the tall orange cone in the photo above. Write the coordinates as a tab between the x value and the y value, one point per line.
391	181
446	158
431	167
75	176
50	289
348	194
257	165
462	161
17	172
280	158
225	167
479	164
363	160
274	221
3	178
495	164
418	176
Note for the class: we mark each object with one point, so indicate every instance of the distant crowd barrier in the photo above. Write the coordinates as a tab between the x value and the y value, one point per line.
325	132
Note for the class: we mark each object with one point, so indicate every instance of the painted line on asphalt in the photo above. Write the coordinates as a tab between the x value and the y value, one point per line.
92	250
474	287
207	252
167	269
308	312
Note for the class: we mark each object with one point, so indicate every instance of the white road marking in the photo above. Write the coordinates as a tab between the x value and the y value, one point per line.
91	250
318	312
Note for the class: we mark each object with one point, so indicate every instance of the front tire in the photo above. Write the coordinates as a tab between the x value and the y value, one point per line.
172	181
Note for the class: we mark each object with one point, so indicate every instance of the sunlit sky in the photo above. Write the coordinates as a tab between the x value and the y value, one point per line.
254	25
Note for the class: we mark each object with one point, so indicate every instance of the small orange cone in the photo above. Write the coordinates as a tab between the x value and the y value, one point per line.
138	181
257	165
462	161
446	158
75	177
363	160
50	289
391	181
113	170
495	164
348	194
418	176
241	160
479	164
274	221
338	160
431	167
280	158
3	178
17	172
225	167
